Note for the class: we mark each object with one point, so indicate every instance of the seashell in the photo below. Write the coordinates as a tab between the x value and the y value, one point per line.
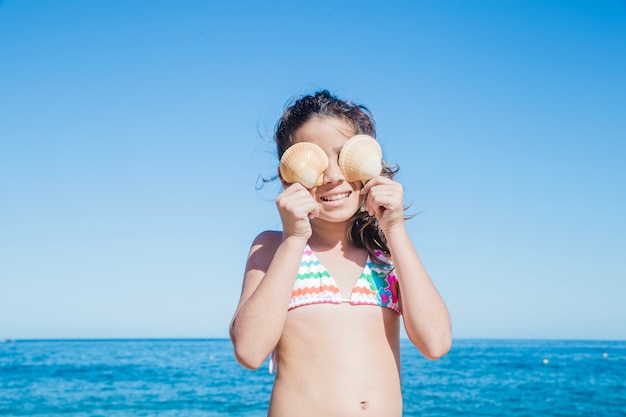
361	158
304	162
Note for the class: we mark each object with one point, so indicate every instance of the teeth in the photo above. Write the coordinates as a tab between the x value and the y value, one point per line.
335	197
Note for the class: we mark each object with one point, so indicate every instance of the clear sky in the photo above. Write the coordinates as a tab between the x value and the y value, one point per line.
132	134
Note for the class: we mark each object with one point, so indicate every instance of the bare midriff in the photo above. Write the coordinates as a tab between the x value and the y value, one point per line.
338	360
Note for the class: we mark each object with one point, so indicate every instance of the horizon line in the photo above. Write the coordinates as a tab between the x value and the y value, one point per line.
201	339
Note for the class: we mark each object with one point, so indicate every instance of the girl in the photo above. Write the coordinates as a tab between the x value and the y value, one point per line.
325	295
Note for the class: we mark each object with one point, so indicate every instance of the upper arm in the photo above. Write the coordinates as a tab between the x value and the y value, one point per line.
259	259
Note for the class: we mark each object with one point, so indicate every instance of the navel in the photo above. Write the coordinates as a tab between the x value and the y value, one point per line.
364	405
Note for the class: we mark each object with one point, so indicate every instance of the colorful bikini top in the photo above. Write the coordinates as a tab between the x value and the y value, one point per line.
377	285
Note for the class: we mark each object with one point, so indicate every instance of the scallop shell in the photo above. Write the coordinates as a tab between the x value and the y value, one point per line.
361	158
304	162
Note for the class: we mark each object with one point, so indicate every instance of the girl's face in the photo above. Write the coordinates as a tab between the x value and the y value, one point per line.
338	199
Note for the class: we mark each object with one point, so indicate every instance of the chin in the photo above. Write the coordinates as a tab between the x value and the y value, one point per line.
338	216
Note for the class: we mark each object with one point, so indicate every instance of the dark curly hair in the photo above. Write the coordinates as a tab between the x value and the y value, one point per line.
364	231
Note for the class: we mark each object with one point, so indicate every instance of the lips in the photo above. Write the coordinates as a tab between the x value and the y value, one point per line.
335	197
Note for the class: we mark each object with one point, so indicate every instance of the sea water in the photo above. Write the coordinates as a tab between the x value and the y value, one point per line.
200	378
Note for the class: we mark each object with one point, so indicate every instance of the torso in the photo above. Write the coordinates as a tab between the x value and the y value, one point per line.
339	359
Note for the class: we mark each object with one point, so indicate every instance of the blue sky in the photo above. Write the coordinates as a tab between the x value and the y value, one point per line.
132	135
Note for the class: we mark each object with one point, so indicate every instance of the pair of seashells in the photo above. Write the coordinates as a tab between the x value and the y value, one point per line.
360	159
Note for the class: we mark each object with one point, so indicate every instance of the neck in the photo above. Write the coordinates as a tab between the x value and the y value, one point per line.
328	235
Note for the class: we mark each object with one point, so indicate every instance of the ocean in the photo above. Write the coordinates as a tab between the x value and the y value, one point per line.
200	378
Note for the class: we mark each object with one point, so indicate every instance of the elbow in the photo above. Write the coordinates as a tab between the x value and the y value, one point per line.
434	347
438	348
436	351
248	358
248	353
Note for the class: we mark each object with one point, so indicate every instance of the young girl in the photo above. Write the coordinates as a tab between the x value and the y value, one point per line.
324	296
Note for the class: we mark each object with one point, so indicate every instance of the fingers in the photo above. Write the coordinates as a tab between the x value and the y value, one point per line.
298	202
384	200
383	193
296	206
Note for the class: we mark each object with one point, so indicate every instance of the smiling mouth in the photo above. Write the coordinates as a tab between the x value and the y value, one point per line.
335	197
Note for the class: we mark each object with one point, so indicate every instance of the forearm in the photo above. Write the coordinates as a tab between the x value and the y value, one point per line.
426	316
257	325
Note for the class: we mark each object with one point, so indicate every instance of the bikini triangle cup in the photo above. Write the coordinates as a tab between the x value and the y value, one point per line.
377	285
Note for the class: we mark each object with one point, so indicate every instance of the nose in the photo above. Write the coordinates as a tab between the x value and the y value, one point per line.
333	174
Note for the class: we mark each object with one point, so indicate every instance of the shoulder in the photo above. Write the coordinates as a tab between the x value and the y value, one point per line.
268	238
263	249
